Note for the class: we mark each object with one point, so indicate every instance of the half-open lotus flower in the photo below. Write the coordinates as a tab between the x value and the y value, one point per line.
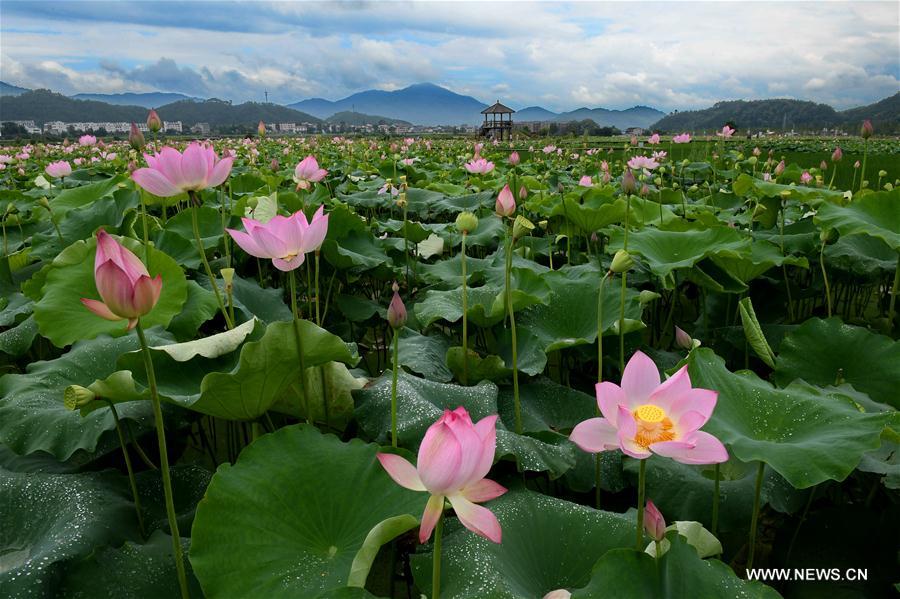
479	166
123	282
643	417
506	203
726	132
285	240
307	172
170	172
454	458
641	162
60	168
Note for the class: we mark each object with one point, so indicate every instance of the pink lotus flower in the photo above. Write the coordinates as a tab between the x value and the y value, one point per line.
805	177
123	282
640	162
654	139
660	155
726	132
867	129
307	171
479	166
506	203
654	523
643	417
837	154
60	168
285	240
586	181
170	172
779	168
87	140
396	312
454	458
549	149
514	158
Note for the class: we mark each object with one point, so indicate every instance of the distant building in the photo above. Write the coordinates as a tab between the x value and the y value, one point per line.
29	126
123	127
495	126
635	131
201	128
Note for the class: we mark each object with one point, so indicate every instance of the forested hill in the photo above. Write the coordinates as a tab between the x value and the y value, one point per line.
783	114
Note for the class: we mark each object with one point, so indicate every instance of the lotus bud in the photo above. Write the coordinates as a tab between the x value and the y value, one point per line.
825	235
867	130
521	227
466	222
523	193
76	396
823	166
154	123
779	168
45	204
645	191
654	523
629	184
685	162
856	164
506	203
558	594
136	138
752	160
132	166
396	312
621	262
274	164
658	181
514	158
261	129
682	339
837	155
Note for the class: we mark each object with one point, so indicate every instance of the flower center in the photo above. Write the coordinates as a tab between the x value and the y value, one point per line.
653	426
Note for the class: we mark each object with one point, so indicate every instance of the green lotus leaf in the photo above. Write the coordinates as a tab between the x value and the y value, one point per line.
680	573
275	527
804	433
826	352
873	214
132	571
34	418
666	251
49	520
547	544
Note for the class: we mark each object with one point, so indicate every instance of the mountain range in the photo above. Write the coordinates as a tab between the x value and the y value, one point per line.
427	104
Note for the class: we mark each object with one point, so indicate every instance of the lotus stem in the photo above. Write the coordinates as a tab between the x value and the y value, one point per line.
825	277
862	174
318	316
212	279
715	504
396	368
131	480
751	549
436	558
642	478
164	462
299	340
600	327
512	331
894	290
146	227
465	309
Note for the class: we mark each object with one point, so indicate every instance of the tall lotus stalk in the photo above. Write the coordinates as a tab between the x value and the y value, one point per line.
644	416
454	458
171	173
629	184
128	293
466	222
285	240
599	376
396	316
751	541
506	207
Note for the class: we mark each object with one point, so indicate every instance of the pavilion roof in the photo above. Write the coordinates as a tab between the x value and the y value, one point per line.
498	108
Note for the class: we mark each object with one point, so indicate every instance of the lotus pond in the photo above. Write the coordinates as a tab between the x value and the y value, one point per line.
402	368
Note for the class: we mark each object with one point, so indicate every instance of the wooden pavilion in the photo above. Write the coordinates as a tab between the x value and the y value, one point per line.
495	125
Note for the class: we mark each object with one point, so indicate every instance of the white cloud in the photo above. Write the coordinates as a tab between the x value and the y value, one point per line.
562	55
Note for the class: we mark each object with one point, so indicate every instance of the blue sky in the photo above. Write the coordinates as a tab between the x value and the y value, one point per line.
560	55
